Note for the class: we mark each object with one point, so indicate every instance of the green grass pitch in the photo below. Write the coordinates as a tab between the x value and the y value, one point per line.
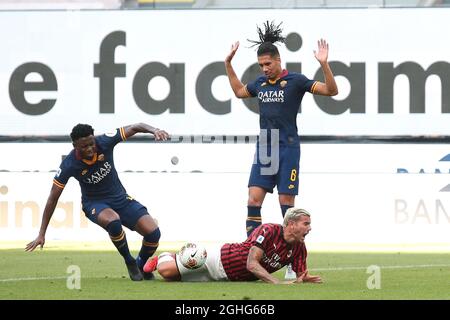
43	275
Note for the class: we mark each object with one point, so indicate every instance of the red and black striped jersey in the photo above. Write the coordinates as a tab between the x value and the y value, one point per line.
277	253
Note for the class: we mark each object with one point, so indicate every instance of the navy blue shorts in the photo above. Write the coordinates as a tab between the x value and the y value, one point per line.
128	209
284	174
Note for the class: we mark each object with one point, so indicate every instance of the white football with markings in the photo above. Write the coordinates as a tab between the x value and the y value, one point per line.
193	255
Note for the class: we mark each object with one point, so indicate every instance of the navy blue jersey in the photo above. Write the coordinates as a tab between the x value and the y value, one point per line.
279	101
98	177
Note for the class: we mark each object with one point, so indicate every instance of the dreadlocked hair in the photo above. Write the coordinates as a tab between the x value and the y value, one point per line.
267	38
81	131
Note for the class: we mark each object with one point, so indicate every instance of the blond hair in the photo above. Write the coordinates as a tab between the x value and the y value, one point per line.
293	214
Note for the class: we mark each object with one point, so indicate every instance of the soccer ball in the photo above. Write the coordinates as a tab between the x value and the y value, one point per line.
193	255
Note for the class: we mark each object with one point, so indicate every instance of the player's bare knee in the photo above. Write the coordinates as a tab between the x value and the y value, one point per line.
286	199
254	202
107	216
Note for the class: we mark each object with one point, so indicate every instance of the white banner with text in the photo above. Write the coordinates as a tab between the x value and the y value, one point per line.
165	67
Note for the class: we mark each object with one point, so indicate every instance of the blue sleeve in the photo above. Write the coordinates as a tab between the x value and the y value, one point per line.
305	84
110	139
251	88
63	174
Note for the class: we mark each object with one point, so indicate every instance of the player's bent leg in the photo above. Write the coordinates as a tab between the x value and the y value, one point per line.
148	228
110	221
106	216
256	196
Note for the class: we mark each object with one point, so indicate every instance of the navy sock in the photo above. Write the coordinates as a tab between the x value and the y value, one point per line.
119	239
284	208
253	219
149	245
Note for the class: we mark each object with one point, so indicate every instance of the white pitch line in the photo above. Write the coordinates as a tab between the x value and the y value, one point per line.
52	278
314	269
31	279
383	267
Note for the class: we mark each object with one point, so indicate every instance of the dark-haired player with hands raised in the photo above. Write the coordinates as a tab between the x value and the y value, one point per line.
104	199
279	94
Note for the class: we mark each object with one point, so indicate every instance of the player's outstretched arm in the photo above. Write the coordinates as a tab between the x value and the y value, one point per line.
329	88
254	266
52	200
131	130
236	84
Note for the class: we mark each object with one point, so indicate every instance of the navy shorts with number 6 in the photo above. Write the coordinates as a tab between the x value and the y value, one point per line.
285	178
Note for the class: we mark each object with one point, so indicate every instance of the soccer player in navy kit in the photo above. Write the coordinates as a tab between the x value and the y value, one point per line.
268	249
104	199
280	93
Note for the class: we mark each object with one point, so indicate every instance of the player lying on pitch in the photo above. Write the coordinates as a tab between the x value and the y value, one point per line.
269	248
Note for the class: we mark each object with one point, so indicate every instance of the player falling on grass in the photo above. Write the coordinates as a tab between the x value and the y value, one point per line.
104	199
280	94
269	248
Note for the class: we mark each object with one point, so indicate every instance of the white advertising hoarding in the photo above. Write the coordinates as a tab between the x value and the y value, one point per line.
238	157
358	194
362	209
111	68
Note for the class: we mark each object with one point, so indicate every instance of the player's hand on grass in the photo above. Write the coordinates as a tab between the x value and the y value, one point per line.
234	48
161	135
39	241
322	51
305	277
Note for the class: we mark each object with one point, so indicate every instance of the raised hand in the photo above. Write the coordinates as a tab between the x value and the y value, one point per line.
322	51
234	48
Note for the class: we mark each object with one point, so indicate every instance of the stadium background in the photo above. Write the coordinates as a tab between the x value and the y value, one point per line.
375	178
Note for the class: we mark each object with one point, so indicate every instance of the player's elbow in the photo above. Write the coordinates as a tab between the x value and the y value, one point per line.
333	92
240	94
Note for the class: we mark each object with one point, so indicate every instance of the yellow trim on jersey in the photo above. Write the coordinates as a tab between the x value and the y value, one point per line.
58	184
248	92
122	133
254	219
313	87
119	237
91	162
